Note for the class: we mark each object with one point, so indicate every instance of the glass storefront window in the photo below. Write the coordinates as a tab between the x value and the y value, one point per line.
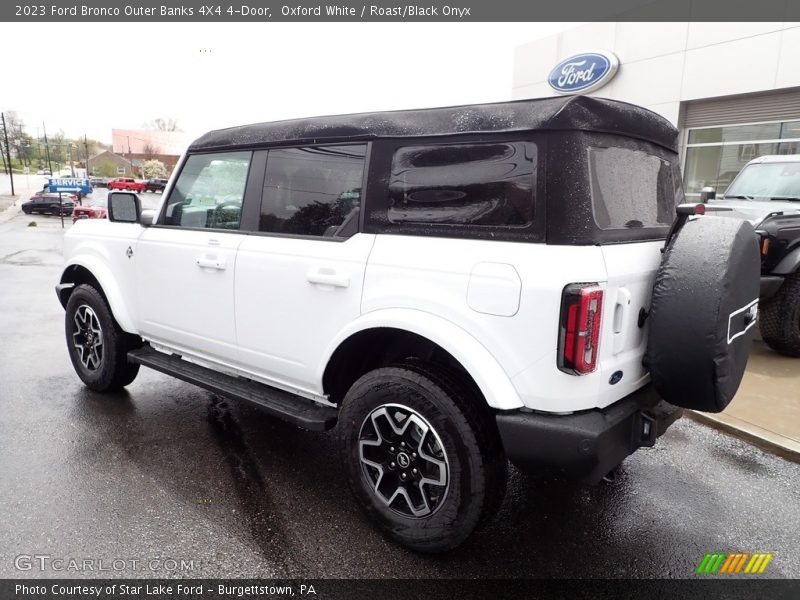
715	155
708	135
790	129
702	168
738	133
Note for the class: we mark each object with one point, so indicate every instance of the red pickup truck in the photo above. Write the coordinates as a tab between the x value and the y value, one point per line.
126	183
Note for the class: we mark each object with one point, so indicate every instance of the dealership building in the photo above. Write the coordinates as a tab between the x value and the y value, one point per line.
732	89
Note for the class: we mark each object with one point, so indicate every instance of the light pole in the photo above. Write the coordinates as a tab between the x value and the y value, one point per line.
8	153
47	150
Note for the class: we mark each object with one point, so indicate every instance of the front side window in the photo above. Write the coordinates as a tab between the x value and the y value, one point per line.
314	190
631	189
209	191
479	185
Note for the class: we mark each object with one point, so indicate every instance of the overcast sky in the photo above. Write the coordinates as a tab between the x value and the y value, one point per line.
92	77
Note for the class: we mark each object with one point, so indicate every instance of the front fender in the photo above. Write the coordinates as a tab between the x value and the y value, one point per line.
101	271
490	377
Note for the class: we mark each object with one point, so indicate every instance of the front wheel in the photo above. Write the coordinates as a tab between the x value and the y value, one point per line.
423	456
780	318
97	347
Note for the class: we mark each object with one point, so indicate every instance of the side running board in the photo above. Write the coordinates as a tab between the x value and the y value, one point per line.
290	407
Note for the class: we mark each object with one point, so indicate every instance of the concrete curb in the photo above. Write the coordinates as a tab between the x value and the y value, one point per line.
11	211
772	442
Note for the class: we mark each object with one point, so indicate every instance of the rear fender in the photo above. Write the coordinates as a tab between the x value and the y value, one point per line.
489	376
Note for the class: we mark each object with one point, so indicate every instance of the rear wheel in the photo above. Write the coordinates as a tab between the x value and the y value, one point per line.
780	318
97	347
423	457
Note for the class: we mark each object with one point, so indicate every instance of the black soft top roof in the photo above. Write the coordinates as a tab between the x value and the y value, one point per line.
581	113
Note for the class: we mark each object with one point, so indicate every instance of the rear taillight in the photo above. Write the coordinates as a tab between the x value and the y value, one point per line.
579	331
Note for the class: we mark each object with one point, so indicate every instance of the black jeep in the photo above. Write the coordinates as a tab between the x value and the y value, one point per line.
767	193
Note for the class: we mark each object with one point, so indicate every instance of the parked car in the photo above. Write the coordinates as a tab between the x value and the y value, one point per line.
44	172
91	209
155	185
767	193
99	181
64	195
503	281
47	203
126	183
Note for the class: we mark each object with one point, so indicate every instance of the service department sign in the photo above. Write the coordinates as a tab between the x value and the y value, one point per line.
583	72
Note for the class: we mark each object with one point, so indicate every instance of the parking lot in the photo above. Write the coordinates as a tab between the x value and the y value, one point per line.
166	471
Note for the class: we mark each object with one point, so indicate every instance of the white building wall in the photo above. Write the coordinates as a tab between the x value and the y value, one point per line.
663	64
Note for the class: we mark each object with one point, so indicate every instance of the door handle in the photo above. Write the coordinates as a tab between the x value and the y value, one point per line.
328	277
212	263
621	308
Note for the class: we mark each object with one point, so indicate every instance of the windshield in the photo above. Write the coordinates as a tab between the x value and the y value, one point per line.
767	180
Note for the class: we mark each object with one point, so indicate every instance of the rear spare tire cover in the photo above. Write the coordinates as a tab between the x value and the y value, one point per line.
703	313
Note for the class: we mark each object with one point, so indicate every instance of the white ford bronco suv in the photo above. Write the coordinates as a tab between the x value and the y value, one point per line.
454	287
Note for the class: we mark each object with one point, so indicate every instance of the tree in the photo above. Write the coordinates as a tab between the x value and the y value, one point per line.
14	124
26	149
151	150
104	169
154	169
161	124
18	140
57	148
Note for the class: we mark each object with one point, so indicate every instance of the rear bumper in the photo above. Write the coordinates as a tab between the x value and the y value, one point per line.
589	444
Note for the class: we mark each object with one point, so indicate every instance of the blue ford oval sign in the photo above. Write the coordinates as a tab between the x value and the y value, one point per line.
583	72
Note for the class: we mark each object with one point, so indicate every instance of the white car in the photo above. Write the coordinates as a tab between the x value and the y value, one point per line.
454	287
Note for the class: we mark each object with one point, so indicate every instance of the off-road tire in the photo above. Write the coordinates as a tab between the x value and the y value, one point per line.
113	371
780	318
477	467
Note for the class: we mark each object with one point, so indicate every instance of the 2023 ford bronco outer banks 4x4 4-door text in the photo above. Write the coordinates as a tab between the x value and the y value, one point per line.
454	287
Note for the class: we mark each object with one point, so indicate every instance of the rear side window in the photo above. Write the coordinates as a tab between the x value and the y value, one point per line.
631	189
478	185
313	191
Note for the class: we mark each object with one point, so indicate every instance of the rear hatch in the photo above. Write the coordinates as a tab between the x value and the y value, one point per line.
631	189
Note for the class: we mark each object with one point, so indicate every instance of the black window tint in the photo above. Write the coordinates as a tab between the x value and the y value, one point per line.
631	189
313	191
209	191
487	184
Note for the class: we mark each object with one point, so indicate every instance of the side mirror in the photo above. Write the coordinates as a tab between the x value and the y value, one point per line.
147	218
123	207
707	193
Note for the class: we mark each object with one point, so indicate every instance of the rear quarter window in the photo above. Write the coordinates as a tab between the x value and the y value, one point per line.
476	185
631	189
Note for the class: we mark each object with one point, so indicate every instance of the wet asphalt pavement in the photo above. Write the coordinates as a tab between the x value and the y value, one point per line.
168	471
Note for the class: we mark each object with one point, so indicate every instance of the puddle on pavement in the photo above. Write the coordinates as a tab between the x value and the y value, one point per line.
33	258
